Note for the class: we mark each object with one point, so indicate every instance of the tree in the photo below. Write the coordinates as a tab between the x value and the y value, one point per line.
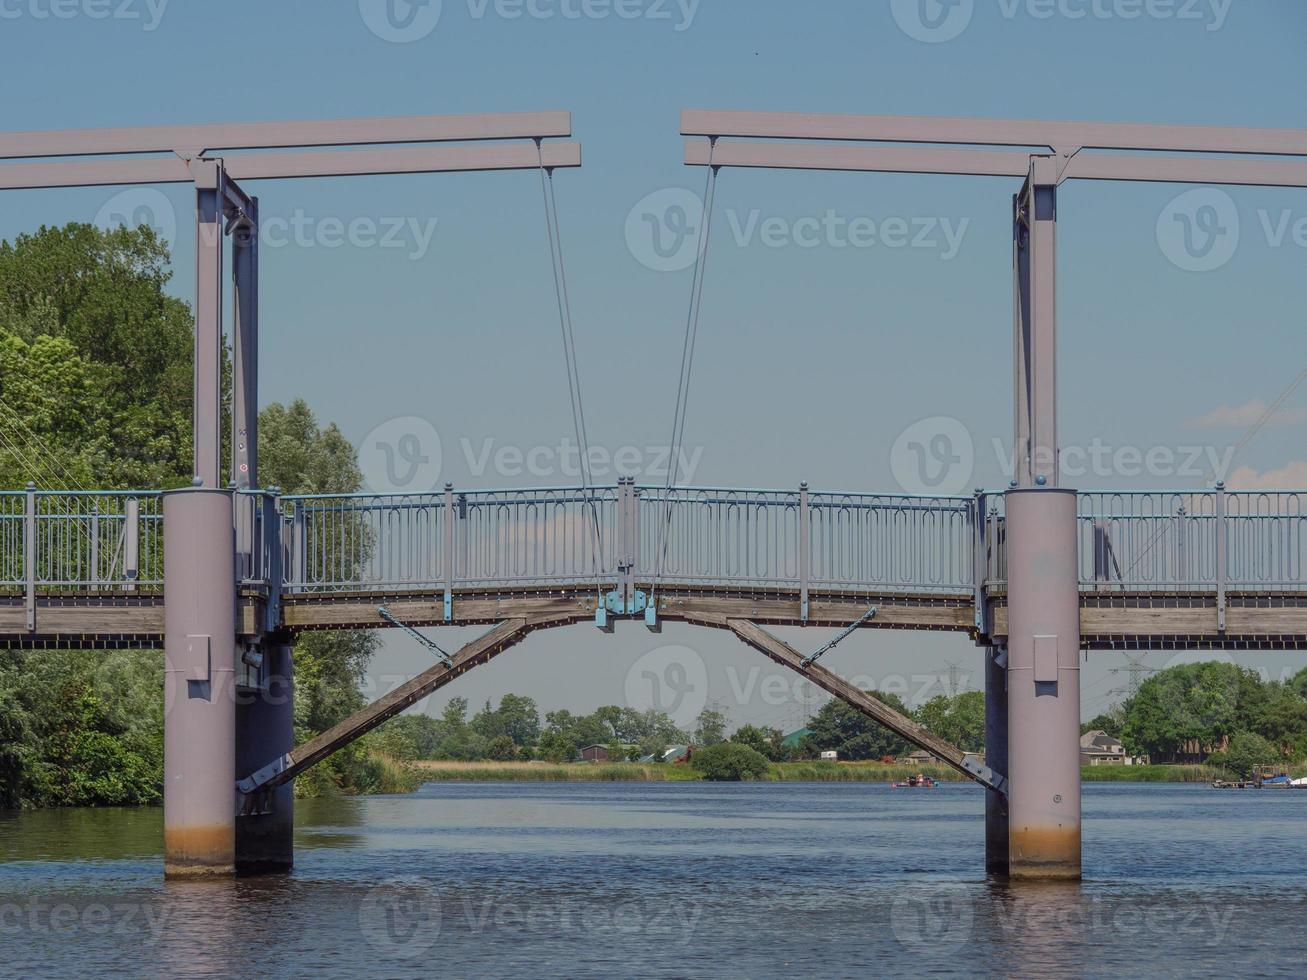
766	742
1191	707
501	749
959	719
710	727
852	734
729	761
1246	751
516	717
1109	722
556	747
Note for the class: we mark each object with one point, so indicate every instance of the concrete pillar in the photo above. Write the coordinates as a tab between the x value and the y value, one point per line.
996	757
199	731
1043	684
265	730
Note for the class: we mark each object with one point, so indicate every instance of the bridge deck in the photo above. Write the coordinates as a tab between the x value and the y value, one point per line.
1108	620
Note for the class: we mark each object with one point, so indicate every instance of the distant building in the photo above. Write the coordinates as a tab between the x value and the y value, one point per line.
830	756
792	740
594	753
1097	748
918	758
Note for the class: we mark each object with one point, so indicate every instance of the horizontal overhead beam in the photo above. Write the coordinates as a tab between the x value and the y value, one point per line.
994	163
275	166
272	135
994	132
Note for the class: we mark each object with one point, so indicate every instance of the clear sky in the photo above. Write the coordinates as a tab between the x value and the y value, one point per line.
816	351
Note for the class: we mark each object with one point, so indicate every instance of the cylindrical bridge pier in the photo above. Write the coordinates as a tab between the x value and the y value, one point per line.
1043	684
199	730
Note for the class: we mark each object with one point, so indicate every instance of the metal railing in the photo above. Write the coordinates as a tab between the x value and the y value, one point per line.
89	541
1209	540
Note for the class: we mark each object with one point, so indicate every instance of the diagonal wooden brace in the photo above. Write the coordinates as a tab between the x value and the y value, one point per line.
901	725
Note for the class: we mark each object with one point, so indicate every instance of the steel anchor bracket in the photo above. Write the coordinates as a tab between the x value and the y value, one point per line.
812	659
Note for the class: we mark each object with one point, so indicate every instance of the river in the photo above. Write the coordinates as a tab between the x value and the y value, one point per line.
670	880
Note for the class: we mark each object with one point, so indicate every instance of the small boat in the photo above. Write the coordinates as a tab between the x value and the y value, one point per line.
916	782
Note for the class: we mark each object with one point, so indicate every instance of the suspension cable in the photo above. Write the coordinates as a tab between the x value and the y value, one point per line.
687	364
563	296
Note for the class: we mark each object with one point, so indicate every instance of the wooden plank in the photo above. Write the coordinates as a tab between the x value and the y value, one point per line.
360	723
362	613
84	620
903	726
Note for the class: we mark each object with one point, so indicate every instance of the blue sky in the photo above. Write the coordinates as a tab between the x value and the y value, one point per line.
812	360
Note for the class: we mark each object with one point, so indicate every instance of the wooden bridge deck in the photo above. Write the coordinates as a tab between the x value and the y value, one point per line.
1109	620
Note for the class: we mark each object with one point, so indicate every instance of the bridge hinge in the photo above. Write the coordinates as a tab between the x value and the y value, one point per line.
617	603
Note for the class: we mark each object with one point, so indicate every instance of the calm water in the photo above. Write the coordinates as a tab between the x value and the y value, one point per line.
671	880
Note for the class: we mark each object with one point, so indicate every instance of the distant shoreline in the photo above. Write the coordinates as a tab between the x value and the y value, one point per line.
816	772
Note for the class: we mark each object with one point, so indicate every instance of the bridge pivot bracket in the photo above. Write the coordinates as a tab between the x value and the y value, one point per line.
427	642
812	658
255	780
618	604
986	776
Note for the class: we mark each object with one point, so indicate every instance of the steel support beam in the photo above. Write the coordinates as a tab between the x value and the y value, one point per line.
1035	251
287	166
245	350
199	727
995	163
265	723
210	204
303	133
996	757
1058	136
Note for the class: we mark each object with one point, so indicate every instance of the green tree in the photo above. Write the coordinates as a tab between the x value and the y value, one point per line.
729	761
959	720
501	749
765	741
710	727
556	747
517	717
1246	751
852	734
1191	705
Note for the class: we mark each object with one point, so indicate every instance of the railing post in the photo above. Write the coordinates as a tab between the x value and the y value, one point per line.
131	544
805	550
447	552
95	545
29	557
622	545
1220	556
978	561
270	541
299	539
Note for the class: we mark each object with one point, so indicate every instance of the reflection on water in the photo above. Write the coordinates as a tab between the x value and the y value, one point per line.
669	879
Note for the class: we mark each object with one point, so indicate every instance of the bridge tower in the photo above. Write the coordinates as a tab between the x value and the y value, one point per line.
1043	636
